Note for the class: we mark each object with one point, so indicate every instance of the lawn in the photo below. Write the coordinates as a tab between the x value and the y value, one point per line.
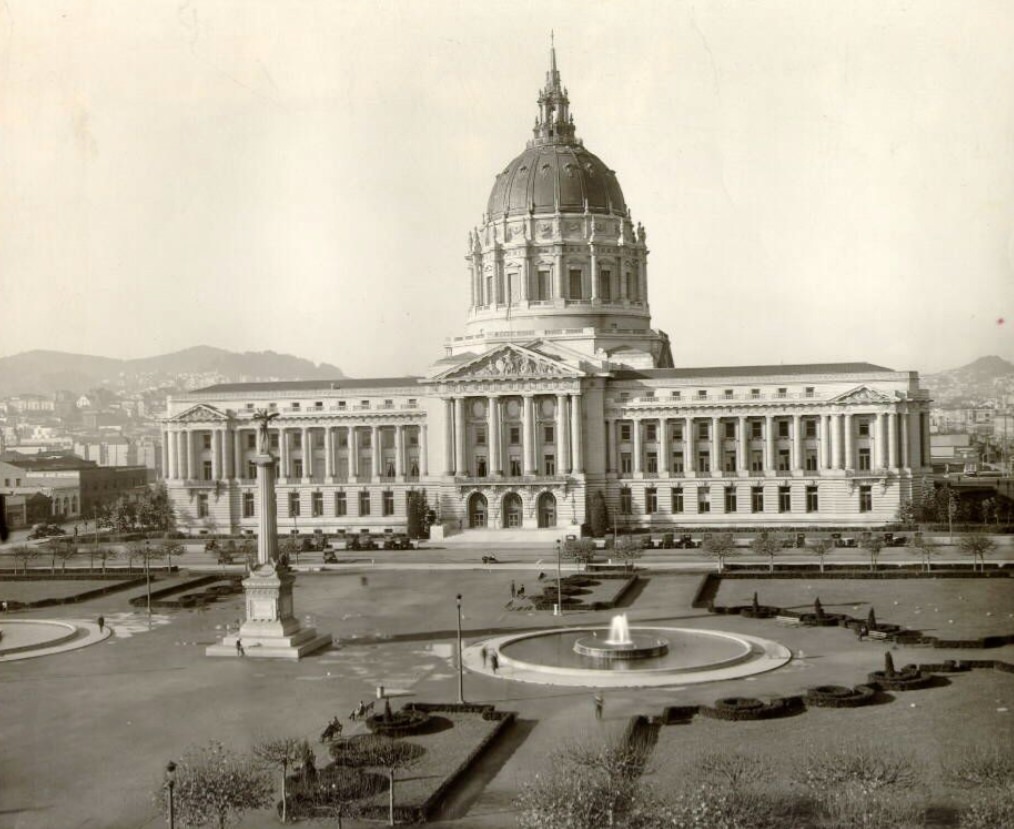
33	591
948	608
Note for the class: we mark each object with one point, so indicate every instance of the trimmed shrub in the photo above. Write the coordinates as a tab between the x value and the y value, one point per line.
839	696
737	709
399	724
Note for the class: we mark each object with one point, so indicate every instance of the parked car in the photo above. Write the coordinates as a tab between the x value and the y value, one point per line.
46	531
398	542
360	542
330	557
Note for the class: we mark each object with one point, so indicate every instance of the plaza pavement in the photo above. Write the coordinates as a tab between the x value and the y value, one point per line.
86	734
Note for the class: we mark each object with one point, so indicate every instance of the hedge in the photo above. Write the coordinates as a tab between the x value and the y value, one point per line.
79	597
838	696
739	709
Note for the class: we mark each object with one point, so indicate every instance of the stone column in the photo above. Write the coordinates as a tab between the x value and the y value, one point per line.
267	510
562	435
850	441
353	453
493	421
399	452
449	466
915	441
192	468
637	446
307	454
528	434
878	459
328	454
424	451
836	441
716	445
237	453
769	443
576	435
664	450
905	446
892	440
460	461
688	445
171	459
376	454
823	438
797	443
742	461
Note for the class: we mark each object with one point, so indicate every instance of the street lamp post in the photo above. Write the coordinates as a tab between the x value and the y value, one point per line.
170	782
461	672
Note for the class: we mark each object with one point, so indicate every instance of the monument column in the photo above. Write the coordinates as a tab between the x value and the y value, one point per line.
448	437
170	456
307	453
493	426
905	456
192	468
664	448
353	453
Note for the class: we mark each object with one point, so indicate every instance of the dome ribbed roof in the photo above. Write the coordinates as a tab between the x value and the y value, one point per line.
552	176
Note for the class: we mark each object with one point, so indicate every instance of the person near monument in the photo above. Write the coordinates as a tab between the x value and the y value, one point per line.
101	620
239	648
599	704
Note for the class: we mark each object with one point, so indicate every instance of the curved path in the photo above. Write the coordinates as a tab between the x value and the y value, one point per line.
29	638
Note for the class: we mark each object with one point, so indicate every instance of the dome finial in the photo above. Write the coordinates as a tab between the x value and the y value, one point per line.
554	124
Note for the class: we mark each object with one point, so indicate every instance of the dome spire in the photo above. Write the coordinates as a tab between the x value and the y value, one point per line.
554	123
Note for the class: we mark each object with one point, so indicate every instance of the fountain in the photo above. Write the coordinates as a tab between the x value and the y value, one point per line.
621	644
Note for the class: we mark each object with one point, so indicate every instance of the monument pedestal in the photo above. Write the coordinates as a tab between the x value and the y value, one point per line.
270	631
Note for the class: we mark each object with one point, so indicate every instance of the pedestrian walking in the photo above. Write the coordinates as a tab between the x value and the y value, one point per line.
3	606
101	620
494	662
862	632
514	591
485	656
599	704
239	648
521	592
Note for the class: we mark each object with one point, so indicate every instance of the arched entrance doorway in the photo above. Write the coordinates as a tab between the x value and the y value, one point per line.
547	510
512	510
477	510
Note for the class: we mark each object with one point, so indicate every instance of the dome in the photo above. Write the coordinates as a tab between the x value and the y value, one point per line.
551	176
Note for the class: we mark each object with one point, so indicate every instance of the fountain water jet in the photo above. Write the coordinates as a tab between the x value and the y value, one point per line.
621	643
619	631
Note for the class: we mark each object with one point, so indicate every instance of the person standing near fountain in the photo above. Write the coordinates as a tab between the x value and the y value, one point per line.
599	705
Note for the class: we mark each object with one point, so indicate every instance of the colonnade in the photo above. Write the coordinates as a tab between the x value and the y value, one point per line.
228	449
894	439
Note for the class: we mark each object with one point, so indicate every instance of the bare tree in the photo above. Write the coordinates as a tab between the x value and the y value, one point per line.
25	554
873	543
821	547
581	550
171	547
215	787
719	546
925	548
104	554
978	545
629	548
379	751
767	544
283	753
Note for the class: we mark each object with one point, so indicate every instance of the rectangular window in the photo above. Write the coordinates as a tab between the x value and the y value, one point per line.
783	428
676	395
650	432
677	431
574	278
809	391
702	394
864	459
625	431
364	503
755	394
704	499
756	429
413	437
756	461
514	436
548	434
317	504
342	404
626	502
866	499
626	467
317	440
651	462
651	500
542	289
297	468
810	428
388	503
812	501
251	440
318	405
515	466
810	461
757	499
206	441
605	285
730	499
784	499
703	430
206	470
480	436
729	463
297	440
703	461
365	439
677	499
783	460
248	505
730	430
728	394
251	469
677	463
864	428
550	465
783	393
480	466
202	505
293	504
341	505
343	439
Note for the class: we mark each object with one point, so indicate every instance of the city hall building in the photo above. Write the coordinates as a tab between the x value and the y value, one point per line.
557	390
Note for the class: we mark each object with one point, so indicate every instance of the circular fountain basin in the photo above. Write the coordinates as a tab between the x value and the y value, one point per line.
639	647
691	656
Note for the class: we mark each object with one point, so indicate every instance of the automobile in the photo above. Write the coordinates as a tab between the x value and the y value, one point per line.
398	542
45	531
489	560
360	542
330	557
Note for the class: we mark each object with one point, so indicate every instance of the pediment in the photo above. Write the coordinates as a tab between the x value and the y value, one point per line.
510	362
861	394
201	413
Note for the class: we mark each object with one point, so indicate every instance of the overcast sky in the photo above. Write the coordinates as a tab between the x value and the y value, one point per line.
820	181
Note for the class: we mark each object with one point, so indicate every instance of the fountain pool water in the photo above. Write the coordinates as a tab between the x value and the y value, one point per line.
620	644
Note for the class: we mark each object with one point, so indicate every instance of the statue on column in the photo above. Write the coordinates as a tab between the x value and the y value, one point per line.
264	417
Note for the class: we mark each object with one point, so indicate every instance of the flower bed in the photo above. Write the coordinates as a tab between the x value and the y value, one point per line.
839	696
400	723
739	709
599	593
908	678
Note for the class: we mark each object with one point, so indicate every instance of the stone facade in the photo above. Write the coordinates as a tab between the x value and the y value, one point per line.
559	388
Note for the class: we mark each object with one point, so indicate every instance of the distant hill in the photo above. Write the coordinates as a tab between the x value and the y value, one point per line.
968	384
44	372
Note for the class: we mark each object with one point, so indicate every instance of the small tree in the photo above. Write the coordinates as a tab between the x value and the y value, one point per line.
821	547
925	548
768	545
169	548
978	545
65	552
290	547
215	787
719	546
873	543
581	550
377	750
283	753
417	509
25	554
629	548
104	554
598	514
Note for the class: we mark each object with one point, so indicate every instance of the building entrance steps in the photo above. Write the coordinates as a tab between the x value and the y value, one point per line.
488	537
